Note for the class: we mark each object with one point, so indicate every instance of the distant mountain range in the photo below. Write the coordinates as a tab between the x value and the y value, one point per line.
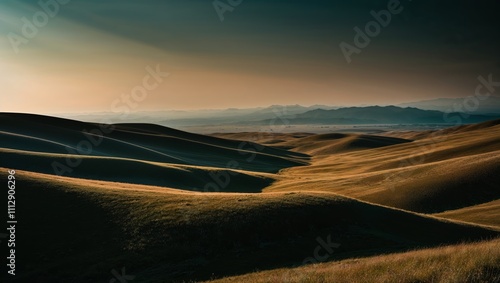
385	115
487	106
181	118
244	116
316	114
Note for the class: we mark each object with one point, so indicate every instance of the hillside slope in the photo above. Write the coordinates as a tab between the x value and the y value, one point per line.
453	264
137	141
167	234
139	153
485	214
450	171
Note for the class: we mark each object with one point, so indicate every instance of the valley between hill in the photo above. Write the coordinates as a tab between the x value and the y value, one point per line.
178	207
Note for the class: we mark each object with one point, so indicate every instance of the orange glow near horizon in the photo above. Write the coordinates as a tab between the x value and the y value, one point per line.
72	66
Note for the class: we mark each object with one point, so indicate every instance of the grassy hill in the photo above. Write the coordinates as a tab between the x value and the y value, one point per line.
486	214
138	153
143	142
450	170
139	200
452	264
86	228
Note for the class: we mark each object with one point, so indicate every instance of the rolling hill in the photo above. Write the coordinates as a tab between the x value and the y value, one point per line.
450	170
167	235
138	153
461	263
172	206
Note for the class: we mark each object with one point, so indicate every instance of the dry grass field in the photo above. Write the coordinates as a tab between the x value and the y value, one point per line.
397	207
477	262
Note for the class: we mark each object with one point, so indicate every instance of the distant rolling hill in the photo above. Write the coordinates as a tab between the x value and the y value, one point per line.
326	144
443	170
320	144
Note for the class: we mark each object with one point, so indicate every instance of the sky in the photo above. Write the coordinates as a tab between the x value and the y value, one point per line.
76	56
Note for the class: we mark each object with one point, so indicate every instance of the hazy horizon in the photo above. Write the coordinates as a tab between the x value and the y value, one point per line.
84	55
206	109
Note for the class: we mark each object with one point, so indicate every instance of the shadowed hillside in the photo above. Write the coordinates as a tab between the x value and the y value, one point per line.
461	263
138	153
194	235
171	206
145	142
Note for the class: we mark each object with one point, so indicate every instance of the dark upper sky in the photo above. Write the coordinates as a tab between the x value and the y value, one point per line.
88	53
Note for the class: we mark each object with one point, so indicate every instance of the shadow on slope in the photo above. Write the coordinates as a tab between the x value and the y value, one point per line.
191	178
476	262
327	144
452	171
444	185
144	142
163	236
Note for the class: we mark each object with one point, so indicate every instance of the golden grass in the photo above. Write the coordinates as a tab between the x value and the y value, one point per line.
464	263
144	227
429	175
167	234
486	214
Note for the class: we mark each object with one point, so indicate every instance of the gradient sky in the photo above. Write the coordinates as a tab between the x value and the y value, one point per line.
264	52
